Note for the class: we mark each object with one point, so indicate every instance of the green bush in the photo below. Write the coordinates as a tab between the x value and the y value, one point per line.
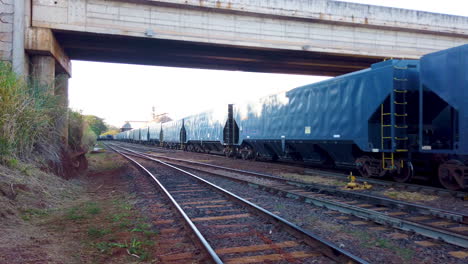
27	119
79	133
30	116
75	129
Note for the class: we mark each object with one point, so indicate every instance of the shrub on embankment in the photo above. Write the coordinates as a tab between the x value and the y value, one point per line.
28	121
27	114
79	131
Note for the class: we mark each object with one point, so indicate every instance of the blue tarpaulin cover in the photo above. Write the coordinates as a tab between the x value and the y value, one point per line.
171	131
154	131
206	126
446	73
336	109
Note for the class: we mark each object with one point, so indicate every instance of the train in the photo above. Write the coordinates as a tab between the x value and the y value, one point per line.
403	119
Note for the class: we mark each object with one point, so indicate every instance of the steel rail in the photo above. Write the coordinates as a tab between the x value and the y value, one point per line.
199	237
408	186
327	248
411	207
378	217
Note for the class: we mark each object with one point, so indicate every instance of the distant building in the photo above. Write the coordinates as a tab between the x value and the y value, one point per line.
126	127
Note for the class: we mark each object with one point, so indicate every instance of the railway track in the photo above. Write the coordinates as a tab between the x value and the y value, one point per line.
451	227
393	184
380	182
231	229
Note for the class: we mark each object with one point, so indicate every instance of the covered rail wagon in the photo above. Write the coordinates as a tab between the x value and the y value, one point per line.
135	135
154	131
337	121
443	122
127	135
144	135
204	131
130	135
173	134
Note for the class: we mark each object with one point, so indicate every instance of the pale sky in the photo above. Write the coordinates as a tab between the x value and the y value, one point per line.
120	92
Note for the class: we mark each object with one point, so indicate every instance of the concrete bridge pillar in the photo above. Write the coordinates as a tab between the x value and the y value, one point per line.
50	67
61	91
43	71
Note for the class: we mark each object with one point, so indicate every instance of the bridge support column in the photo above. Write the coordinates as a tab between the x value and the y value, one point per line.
43	71
45	74
51	67
61	90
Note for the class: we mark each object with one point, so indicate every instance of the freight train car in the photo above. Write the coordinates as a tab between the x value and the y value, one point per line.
443	112
399	118
337	121
173	134
154	131
144	135
204	131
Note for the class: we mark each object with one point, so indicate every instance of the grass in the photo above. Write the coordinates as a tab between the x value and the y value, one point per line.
314	179
409	196
28	214
369	241
279	206
95	232
28	113
83	211
144	229
92	208
119	216
111	226
75	214
134	246
103	162
405	253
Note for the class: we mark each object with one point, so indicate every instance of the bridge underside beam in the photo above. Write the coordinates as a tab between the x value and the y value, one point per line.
158	52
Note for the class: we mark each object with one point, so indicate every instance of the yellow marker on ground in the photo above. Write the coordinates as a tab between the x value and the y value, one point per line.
353	185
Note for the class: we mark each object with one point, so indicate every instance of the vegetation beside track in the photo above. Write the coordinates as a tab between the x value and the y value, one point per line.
110	230
316	179
90	219
30	115
27	119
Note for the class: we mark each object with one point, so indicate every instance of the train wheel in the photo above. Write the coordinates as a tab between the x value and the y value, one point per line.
230	152
404	173
449	172
247	153
364	166
257	157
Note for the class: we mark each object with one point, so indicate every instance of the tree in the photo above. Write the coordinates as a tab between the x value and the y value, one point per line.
96	124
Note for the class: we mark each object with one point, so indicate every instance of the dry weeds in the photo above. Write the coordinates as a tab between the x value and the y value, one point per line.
409	196
313	179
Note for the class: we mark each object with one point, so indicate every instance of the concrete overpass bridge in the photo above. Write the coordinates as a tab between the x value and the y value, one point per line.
318	37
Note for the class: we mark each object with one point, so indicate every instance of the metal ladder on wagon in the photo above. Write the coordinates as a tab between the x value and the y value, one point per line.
394	137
